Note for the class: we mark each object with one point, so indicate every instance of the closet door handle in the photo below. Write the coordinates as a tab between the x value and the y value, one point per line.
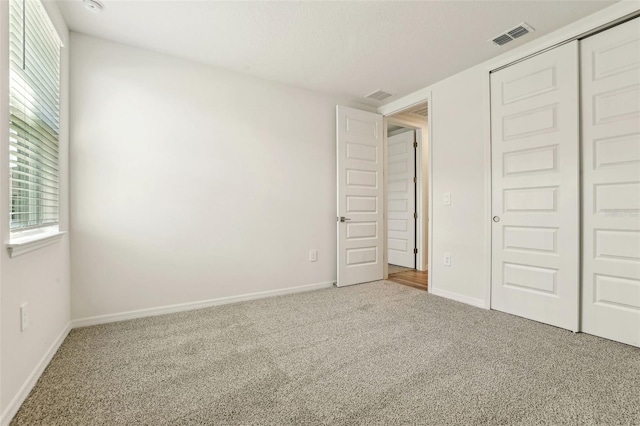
496	219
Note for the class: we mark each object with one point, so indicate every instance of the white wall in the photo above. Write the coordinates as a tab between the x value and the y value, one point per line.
458	167
41	277
191	183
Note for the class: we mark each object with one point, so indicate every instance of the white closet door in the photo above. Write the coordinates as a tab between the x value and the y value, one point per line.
535	194
401	199
611	185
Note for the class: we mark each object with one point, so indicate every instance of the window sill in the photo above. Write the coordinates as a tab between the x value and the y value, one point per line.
25	244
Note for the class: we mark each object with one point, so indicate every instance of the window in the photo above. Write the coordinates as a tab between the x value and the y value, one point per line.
34	114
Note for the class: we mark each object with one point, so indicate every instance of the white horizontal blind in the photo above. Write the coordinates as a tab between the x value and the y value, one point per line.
34	113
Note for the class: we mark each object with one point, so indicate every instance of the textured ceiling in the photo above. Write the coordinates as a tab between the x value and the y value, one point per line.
345	48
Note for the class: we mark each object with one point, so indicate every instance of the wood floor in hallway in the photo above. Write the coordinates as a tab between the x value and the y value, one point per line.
410	277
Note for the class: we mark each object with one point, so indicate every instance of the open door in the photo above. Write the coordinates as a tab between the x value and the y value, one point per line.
360	196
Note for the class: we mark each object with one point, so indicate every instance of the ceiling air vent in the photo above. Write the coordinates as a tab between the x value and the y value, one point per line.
512	34
502	39
379	95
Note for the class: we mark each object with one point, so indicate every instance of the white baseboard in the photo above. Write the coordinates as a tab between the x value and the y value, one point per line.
459	297
14	405
189	306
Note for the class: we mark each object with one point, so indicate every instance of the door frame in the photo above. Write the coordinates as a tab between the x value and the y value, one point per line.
419	196
421	244
419	227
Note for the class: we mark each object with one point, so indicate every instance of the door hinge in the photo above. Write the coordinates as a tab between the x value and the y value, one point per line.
415	251
415	179
415	144
415	215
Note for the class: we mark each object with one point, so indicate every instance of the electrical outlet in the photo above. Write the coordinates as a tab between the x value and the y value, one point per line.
447	259
313	255
447	198
24	316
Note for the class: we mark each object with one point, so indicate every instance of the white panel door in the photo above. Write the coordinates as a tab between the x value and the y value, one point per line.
401	199
360	197
535	193
611	185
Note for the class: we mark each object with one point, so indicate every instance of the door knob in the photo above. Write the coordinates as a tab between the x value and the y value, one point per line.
343	219
496	219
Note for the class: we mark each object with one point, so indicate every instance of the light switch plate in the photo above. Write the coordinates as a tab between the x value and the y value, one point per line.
313	255
447	198
24	316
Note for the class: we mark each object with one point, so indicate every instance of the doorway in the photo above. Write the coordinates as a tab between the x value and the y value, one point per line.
361	163
406	195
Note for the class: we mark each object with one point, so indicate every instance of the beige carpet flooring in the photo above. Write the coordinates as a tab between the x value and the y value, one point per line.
372	354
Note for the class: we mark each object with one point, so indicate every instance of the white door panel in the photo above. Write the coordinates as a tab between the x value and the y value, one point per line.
611	183
360	197
535	239
401	200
